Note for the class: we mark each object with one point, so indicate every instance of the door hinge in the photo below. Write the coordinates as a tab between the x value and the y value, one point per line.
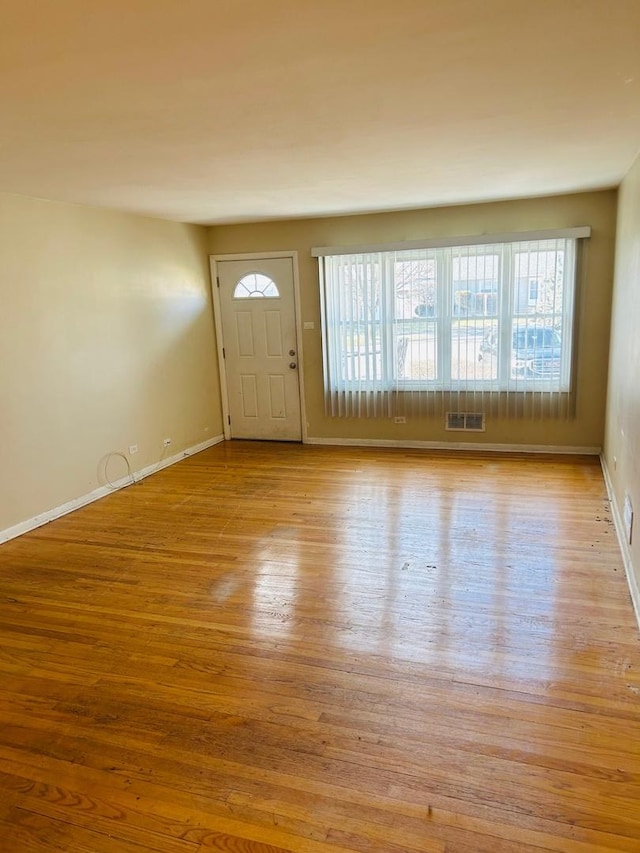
224	355
218	280
229	419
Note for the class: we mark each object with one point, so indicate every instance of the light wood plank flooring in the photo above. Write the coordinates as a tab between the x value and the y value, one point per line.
273	648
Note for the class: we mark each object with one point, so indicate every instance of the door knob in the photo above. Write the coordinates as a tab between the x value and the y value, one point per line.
292	352
293	365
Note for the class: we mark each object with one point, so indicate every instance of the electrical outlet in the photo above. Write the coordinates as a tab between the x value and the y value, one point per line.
166	442
133	448
399	420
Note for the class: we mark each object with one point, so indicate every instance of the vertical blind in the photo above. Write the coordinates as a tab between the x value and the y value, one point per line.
476	327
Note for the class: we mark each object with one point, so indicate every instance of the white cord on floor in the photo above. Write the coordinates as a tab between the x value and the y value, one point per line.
129	472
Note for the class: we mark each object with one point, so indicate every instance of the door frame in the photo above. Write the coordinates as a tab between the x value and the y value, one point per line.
217	319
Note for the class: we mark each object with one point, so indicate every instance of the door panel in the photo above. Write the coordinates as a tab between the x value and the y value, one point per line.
277	397
273	330
244	334
257	306
249	393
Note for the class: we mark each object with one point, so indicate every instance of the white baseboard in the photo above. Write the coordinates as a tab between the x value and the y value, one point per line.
632	581
457	445
101	492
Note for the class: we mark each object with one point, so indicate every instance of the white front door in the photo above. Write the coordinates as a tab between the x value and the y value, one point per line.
257	308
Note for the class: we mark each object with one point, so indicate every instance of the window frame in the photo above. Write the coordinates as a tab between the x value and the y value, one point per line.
505	319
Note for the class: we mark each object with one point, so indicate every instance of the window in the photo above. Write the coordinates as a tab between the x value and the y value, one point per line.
256	284
490	318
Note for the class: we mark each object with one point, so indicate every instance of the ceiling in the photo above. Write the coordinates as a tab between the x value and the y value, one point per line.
217	111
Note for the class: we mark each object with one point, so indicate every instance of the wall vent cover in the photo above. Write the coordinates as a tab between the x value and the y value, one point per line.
465	421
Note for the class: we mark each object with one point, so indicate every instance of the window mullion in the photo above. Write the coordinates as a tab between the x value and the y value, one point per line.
386	321
505	317
445	299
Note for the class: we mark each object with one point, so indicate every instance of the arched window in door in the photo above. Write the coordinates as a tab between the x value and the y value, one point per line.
256	284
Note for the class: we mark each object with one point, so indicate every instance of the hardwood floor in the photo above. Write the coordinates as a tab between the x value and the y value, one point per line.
276	648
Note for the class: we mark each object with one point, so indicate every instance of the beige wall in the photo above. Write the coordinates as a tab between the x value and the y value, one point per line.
106	337
596	209
622	443
106	340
